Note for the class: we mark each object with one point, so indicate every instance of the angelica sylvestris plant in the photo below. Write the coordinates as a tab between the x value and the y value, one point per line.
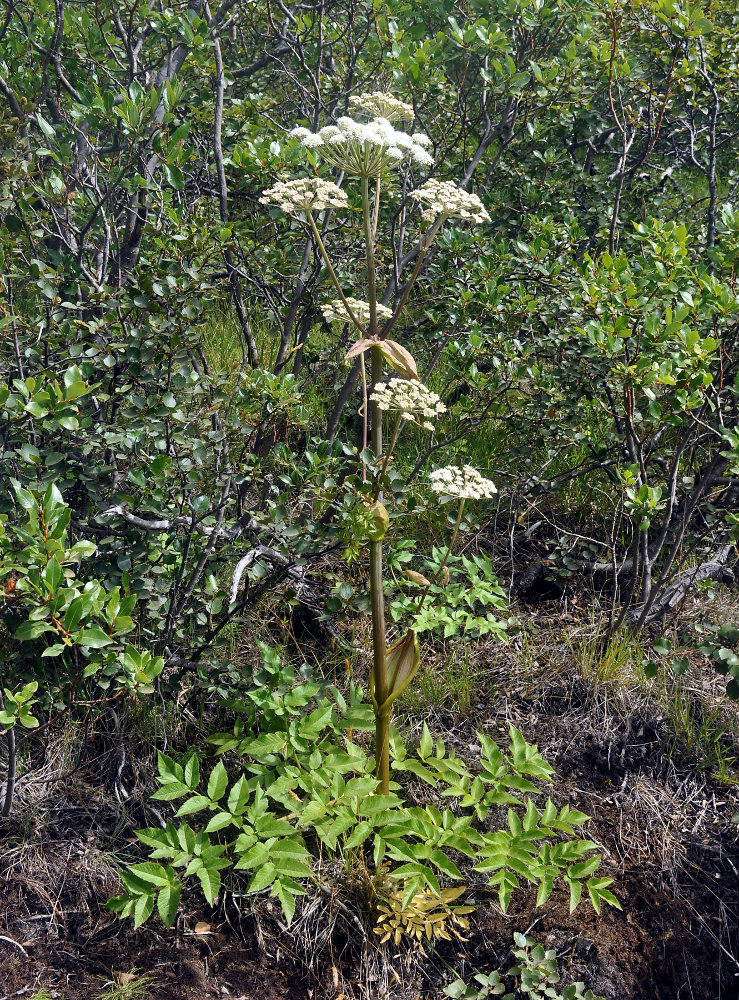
370	151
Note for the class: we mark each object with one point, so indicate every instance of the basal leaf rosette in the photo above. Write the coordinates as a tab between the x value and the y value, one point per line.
414	401
463	483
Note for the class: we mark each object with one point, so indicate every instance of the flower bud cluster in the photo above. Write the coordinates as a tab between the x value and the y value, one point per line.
336	312
465	483
365	150
445	198
413	400
381	105
307	194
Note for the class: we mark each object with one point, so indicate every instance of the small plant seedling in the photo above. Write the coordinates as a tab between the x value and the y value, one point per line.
132	985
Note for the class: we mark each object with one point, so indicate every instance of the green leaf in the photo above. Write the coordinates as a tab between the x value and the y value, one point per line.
73	614
422	871
358	836
23	497
254	857
239	796
286	898
218	821
45	127
584	868
729	634
195	804
412	888
142	910
192	771
150	872
575	893
680	665
270	826
210	880
154	837
168	902
651	669
444	864
292	866
94	638
426	746
174	176
172	790
53	575
217	782
262	878
32	630
545	890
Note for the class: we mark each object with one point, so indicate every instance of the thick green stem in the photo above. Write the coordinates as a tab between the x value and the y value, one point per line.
382	743
377	596
379	667
377	599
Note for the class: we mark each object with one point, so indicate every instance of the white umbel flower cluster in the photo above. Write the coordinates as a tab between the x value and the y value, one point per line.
445	198
381	105
365	150
465	483
336	312
413	400
307	194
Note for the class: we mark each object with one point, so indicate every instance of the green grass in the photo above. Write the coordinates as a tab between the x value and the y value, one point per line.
705	733
604	660
222	343
450	681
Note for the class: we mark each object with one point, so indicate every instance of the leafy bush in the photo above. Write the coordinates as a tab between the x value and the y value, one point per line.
66	635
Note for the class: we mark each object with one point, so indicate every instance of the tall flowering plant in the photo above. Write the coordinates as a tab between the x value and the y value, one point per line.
370	150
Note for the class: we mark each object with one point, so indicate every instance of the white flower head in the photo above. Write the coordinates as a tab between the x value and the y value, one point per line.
420	156
381	105
336	311
413	400
365	149
464	484
306	194
327	133
445	198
